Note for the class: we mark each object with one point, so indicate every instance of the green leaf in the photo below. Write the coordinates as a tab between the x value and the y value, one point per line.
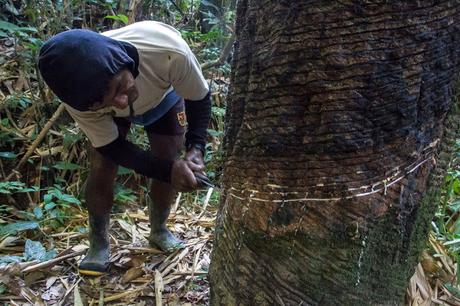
11	186
119	17
62	165
35	251
456	186
10	259
38	212
8	26
123	171
58	215
28	29
453	290
55	191
218	111
30	189
70	199
215	133
8	155
48	198
11	8
18	227
50	206
123	18
455	206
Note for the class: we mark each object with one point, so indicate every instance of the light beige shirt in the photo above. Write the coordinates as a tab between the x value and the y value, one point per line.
165	63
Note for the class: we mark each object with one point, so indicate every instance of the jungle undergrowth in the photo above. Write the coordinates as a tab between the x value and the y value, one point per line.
51	184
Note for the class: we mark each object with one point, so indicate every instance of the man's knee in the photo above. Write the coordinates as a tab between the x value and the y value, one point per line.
101	167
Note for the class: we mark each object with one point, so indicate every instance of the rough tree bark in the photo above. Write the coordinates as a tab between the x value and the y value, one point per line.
339	121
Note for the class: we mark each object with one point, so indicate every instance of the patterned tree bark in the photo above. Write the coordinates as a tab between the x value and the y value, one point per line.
337	119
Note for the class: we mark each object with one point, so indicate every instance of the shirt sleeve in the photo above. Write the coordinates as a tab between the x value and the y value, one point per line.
98	127
186	76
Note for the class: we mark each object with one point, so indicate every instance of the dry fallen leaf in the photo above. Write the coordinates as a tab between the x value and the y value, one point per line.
132	274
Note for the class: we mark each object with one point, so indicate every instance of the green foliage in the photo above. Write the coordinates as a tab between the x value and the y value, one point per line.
34	250
120	17
218	111
19	226
55	197
18	100
447	216
123	194
124	171
10	187
8	29
446	226
8	155
453	290
10	259
70	138
63	165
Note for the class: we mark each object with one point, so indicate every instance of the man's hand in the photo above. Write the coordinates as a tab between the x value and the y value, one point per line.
182	177
195	156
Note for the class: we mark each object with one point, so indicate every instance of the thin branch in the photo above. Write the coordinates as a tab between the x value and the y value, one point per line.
177	8
132	11
223	56
52	262
36	142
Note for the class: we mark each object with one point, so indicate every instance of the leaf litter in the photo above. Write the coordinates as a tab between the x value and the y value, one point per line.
138	275
435	279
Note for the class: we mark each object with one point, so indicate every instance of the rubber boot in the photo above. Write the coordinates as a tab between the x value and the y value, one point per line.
96	261
160	237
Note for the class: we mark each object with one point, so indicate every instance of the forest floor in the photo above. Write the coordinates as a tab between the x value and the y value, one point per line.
434	278
139	275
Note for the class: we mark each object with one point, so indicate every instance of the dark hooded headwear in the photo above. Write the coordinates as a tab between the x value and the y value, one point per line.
78	64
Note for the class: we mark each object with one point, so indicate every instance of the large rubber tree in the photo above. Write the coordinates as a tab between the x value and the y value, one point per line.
339	121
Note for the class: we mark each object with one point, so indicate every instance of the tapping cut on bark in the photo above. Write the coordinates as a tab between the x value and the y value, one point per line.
339	120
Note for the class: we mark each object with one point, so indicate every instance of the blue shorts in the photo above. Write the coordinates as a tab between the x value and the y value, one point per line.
168	118
157	112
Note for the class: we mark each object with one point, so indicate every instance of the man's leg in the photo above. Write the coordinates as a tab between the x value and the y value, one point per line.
166	137
162	195
99	201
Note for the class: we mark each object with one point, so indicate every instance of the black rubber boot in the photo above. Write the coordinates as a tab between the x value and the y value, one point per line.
160	237
96	261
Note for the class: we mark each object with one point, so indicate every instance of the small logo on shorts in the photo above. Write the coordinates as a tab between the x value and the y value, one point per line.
181	118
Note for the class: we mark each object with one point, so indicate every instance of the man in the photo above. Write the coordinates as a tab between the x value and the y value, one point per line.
137	74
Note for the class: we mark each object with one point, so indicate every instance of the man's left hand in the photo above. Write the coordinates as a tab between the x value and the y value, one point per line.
195	156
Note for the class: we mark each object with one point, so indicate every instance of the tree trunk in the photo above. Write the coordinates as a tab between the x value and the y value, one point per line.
339	121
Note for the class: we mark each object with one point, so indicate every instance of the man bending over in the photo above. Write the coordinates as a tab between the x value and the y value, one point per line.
146	74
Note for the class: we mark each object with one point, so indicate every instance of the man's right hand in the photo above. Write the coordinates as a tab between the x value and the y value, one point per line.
182	177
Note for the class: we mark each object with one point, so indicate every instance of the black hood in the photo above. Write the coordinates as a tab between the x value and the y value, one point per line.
78	64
